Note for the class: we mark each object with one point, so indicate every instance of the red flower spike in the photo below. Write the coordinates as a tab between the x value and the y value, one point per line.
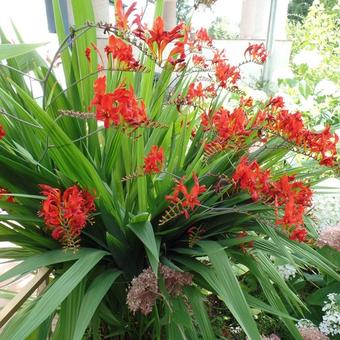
88	54
292	195
2	132
226	74
158	39
195	92
122	52
290	126
122	19
276	102
118	107
188	200
154	161
256	53
247	102
66	214
9	199
201	39
199	61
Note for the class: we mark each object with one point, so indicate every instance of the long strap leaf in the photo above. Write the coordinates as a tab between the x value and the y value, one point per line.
92	299
56	294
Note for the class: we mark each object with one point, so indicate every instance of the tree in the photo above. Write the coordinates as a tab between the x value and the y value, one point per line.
220	29
298	9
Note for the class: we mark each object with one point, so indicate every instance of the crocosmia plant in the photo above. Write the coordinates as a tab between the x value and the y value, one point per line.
150	182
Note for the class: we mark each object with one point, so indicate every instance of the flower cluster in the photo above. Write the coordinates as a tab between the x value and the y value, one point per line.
144	289
309	331
232	129
118	107
67	213
330	324
5	192
326	210
154	161
256	53
196	94
122	18
183	198
287	271
143	292
312	333
2	132
157	39
292	195
122	52
201	39
271	337
226	74
291	127
175	280
329	236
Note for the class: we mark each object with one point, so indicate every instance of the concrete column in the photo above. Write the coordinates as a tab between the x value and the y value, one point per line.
254	19
169	14
281	20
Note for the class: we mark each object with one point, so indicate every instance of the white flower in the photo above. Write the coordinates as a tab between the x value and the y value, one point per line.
304	323
330	324
307	104
311	58
283	73
287	271
325	87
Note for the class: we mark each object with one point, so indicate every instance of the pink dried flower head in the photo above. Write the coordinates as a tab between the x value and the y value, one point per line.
312	333
271	337
175	281
143	292
329	236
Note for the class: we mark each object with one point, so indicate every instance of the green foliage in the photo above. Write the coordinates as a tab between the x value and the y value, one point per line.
315	64
220	29
183	10
87	294
298	9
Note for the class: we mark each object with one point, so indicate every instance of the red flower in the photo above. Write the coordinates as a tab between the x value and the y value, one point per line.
247	102
2	132
201	39
158	39
199	61
66	214
121	51
154	161
118	107
292	195
88	54
230	125
188	200
298	234
5	192
122	19
205	121
256	53
250	177
226	74
290	126
276	102
195	92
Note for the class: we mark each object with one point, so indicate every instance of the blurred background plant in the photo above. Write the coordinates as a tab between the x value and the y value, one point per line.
313	86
